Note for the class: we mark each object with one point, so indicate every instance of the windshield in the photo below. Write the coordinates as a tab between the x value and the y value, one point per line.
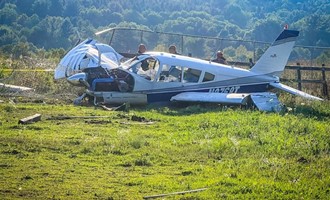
128	63
144	66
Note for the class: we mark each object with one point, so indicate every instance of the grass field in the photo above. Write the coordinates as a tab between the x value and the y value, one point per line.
90	153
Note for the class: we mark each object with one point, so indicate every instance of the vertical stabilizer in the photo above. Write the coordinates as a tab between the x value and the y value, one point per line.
276	56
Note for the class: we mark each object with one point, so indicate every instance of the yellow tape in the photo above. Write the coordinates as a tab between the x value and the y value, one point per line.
27	70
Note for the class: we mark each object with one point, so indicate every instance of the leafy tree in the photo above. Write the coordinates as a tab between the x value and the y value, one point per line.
24	6
8	14
133	16
8	36
56	8
234	14
266	29
195	46
32	21
116	17
71	8
49	32
52	24
315	30
324	58
242	54
153	18
41	7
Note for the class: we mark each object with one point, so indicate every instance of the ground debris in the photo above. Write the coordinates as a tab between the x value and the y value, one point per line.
30	119
174	193
123	107
139	119
66	117
98	122
303	160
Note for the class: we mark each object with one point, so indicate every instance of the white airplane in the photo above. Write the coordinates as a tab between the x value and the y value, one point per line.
158	76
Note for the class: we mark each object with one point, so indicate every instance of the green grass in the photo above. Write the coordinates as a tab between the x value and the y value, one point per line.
236	154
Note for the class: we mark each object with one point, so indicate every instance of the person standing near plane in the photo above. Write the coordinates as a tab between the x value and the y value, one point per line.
172	50
141	49
220	59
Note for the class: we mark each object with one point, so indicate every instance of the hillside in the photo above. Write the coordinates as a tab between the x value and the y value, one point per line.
54	24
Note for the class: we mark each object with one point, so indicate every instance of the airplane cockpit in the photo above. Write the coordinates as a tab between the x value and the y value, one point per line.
150	68
144	66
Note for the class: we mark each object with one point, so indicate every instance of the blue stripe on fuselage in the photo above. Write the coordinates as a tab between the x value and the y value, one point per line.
166	96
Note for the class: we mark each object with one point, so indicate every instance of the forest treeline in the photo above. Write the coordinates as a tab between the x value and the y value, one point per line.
29	25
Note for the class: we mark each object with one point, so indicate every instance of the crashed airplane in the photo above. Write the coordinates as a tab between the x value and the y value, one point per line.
159	77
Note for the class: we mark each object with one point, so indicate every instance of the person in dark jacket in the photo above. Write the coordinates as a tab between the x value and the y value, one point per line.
220	59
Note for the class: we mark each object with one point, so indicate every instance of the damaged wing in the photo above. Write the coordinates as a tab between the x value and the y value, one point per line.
264	101
224	98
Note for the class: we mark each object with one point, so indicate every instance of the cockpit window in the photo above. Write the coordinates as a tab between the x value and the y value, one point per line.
208	77
170	74
146	68
191	75
127	64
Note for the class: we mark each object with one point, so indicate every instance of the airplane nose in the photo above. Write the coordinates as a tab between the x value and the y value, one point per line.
79	79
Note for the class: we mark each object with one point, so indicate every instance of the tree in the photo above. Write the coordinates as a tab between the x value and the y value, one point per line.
71	8
266	29
134	16
8	14
49	33
7	36
234	14
56	8
41	7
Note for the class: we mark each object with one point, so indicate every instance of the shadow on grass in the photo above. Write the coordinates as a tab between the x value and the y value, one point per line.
320	112
317	110
184	109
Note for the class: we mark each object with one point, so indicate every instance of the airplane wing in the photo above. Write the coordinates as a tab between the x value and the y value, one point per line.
264	101
224	98
294	91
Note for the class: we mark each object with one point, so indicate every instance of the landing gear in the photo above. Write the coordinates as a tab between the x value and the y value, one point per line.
78	101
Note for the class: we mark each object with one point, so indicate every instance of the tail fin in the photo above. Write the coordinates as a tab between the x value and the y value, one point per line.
276	56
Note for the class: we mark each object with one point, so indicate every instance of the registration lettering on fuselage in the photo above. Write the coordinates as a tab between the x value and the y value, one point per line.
231	89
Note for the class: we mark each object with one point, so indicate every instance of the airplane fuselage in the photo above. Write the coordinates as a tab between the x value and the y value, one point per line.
158	77
168	75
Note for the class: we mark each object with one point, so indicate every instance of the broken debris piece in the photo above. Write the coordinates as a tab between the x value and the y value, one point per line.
30	119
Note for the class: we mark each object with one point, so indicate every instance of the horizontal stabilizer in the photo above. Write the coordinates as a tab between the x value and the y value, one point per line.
266	101
294	91
208	97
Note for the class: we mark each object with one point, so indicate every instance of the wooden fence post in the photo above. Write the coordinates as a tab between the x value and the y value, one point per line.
299	77
324	82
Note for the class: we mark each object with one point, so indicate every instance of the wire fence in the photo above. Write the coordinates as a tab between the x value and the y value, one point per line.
204	47
308	68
